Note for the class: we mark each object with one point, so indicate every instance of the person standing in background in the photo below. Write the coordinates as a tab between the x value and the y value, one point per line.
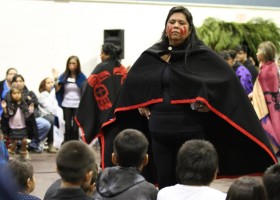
100	91
268	80
6	84
68	92
179	89
242	57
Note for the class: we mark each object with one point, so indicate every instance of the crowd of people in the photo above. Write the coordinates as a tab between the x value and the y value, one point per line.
181	117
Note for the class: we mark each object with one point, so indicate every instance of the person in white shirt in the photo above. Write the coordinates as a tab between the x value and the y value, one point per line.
197	166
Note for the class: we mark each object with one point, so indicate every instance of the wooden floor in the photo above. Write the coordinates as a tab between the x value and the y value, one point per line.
45	174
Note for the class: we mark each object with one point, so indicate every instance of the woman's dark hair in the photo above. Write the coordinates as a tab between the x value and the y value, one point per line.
181	9
246	188
42	86
67	72
112	50
17	76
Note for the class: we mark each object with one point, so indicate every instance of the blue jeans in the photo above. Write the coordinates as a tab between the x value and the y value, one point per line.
44	127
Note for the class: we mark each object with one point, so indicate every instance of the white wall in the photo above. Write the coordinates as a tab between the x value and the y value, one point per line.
37	35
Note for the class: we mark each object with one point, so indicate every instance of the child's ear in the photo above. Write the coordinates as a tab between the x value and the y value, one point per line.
146	160
114	159
30	185
88	176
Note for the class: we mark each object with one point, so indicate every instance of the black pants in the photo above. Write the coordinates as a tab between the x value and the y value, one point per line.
71	128
165	148
50	118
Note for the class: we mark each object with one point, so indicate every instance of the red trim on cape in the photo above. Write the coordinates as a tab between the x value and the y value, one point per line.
132	108
83	132
227	120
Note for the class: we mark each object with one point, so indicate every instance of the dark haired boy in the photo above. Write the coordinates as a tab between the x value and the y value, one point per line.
242	57
76	165
197	166
271	180
125	181
22	171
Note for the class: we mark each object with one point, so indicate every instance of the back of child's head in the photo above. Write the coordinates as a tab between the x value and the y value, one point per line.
130	148
21	170
74	160
271	180
197	163
246	188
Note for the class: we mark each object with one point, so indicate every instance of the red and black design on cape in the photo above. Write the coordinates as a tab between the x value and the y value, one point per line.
234	130
98	93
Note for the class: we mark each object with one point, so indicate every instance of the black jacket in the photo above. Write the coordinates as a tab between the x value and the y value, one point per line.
116	183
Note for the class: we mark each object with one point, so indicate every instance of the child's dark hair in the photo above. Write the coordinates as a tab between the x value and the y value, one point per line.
271	180
21	170
197	163
130	148
74	160
246	188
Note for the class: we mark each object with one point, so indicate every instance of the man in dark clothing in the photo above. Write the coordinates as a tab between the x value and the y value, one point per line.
125	181
242	57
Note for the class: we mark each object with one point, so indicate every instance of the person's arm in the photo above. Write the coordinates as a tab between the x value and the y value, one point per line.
33	98
145	111
4	106
55	77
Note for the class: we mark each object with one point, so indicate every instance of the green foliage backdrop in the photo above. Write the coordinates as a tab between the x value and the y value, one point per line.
220	35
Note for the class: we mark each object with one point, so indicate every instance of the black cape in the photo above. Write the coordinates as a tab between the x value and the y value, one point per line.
98	95
202	75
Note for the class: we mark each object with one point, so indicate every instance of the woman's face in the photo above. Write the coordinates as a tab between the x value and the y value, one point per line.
260	56
49	84
10	75
177	29
19	83
72	65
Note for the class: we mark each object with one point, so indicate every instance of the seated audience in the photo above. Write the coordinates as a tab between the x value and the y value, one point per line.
271	180
124	181
76	165
197	166
50	110
246	188
22	172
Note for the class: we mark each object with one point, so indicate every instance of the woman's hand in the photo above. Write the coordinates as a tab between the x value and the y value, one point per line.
3	104
199	106
145	112
55	74
31	108
250	96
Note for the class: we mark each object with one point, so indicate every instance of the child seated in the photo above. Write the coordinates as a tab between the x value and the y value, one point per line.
247	188
76	165
197	166
22	172
125	181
